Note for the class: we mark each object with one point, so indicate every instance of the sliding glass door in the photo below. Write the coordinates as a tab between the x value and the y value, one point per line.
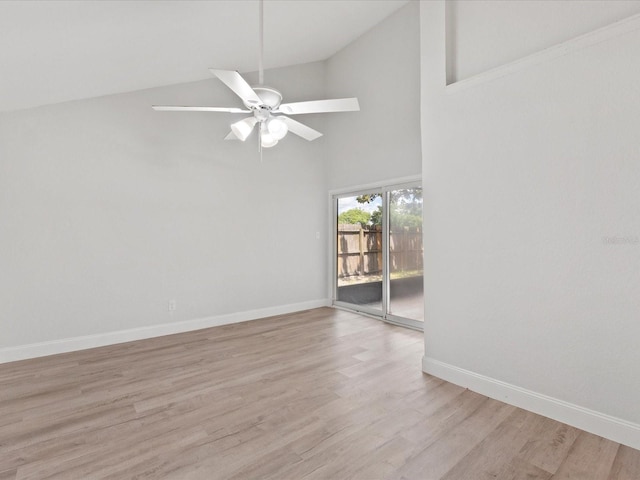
378	253
359	252
406	296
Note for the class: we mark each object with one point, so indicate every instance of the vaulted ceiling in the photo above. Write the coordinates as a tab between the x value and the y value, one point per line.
55	51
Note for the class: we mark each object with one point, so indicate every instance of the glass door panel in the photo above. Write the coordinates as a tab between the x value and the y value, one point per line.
379	261
406	295
359	248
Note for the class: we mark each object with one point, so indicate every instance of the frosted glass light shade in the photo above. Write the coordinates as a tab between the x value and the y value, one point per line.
277	128
243	128
267	140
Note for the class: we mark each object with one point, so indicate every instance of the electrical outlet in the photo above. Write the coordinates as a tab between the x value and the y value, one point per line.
317	235
171	306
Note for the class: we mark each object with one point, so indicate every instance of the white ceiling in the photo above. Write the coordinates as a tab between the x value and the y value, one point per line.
54	51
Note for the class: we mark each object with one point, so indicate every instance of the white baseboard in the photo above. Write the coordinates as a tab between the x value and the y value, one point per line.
613	428
23	352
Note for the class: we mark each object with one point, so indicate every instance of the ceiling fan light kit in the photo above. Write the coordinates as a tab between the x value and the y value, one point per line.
266	107
243	128
277	128
267	140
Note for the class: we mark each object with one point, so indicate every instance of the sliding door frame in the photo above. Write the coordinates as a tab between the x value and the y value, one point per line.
389	317
334	282
384	188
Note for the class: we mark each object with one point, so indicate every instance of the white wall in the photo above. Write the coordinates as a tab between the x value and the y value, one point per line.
382	69
109	209
526	176
477	41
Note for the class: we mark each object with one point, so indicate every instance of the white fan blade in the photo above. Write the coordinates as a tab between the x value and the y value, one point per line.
300	129
321	106
231	136
235	82
176	108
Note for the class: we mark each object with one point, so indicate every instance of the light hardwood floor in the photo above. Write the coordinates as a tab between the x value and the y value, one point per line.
322	394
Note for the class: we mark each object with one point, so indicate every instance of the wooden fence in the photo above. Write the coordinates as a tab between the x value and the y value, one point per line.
360	250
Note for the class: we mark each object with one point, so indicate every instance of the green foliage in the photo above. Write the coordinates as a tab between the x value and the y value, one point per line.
405	208
403	195
376	216
354	216
367	198
399	218
402	219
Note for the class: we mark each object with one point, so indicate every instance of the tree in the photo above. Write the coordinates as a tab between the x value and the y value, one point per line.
405	209
376	216
403	195
399	218
354	216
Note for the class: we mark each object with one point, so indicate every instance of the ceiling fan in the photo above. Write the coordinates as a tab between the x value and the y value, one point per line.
266	107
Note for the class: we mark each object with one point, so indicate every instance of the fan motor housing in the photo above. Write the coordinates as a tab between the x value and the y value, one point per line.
271	98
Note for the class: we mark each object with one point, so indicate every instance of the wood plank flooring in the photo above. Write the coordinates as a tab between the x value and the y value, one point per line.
321	394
